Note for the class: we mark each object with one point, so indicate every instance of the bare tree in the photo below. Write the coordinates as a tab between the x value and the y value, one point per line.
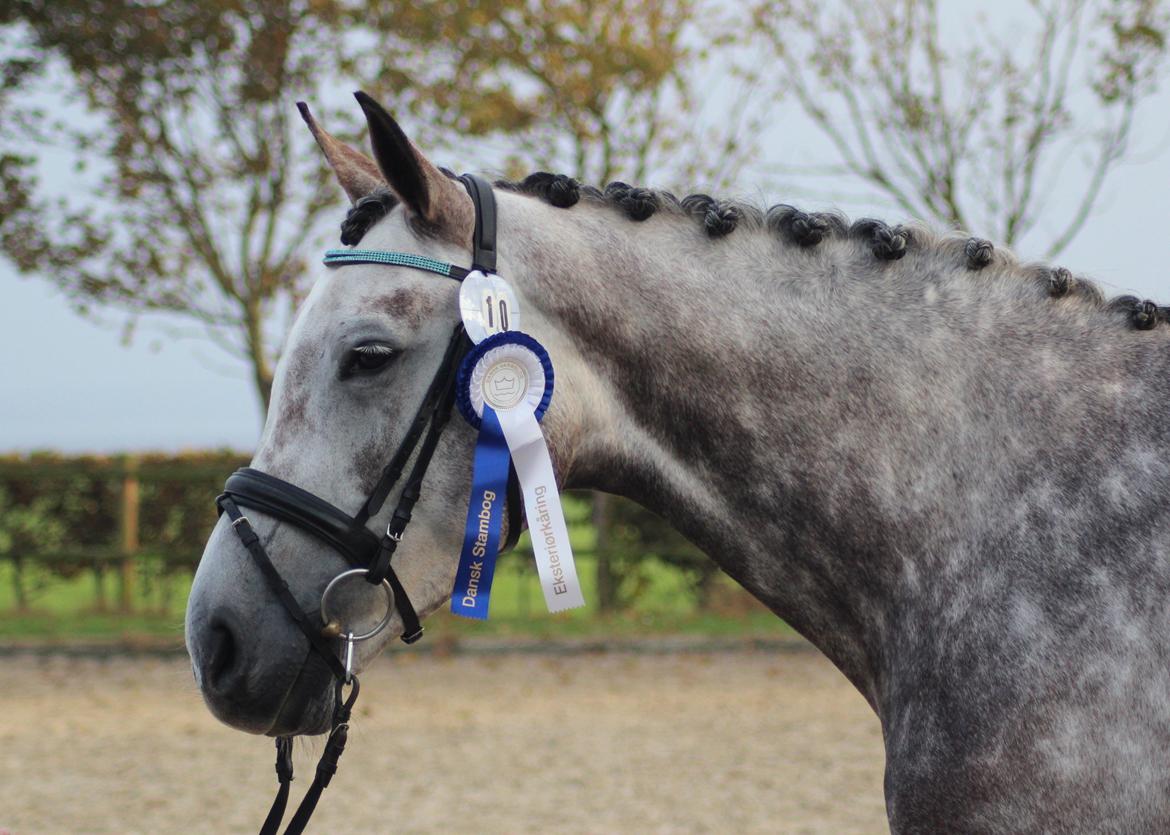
974	131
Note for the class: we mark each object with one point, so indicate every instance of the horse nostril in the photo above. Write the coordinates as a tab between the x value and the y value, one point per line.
222	657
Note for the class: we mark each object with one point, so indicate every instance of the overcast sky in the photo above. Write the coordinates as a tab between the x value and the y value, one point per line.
69	384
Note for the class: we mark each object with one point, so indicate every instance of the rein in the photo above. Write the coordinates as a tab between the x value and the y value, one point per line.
368	553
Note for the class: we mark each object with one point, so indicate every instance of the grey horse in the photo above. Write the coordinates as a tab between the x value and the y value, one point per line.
948	470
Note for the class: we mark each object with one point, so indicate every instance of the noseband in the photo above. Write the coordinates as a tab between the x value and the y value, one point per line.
368	553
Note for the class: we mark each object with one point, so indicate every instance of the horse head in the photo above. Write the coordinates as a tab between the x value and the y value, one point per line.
370	347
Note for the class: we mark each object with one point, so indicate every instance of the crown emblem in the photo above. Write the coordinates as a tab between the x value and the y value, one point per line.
504	386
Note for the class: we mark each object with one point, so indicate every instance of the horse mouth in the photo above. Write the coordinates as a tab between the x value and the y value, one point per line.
308	703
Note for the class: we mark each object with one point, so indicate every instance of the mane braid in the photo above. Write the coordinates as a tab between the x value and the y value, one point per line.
364	214
808	229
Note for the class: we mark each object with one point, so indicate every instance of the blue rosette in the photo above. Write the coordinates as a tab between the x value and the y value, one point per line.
511	345
508	370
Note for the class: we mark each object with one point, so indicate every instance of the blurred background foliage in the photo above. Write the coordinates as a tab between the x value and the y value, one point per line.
197	185
115	518
106	547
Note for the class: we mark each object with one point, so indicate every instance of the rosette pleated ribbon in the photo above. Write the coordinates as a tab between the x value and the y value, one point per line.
504	387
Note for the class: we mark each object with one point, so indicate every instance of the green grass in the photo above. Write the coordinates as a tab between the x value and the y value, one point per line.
66	609
63	610
616	625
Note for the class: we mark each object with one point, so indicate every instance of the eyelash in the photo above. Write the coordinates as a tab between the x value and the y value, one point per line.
367	359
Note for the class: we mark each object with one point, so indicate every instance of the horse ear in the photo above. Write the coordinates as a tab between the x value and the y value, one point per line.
428	194
357	173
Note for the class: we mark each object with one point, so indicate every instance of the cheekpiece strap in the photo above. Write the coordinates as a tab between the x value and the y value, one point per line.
483	254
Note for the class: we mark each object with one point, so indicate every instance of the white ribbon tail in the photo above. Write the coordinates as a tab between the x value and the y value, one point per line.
542	507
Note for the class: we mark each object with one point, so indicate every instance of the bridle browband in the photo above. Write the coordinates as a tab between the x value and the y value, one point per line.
350	535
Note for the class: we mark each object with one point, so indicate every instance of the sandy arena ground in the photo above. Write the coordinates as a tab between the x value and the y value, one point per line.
612	743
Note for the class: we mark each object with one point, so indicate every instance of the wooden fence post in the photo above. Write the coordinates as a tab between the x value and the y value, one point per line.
129	531
607	582
18	583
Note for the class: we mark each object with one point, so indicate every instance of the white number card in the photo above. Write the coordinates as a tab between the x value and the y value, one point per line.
488	306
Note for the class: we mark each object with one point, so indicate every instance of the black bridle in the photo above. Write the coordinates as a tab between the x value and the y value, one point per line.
350	535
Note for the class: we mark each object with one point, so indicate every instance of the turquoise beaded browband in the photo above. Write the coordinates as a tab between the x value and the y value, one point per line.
337	257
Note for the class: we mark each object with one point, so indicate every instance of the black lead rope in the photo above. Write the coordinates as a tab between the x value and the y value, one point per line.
326	768
351	537
284	774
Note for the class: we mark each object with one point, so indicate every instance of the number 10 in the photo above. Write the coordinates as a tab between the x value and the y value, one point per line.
490	307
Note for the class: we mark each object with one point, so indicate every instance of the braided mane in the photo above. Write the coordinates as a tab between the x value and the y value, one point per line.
719	218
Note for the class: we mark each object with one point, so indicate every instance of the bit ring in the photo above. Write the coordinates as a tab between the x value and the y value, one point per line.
358	572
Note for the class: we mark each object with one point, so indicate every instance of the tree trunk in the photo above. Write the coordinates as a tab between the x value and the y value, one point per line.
607	581
99	585
704	589
18	584
261	371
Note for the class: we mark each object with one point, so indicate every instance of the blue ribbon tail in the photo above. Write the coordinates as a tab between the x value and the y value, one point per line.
481	537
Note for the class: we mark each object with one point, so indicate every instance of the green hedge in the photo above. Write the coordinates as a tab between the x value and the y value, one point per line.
61	516
67	511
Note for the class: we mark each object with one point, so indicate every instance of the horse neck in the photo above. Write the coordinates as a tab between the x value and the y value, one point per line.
840	434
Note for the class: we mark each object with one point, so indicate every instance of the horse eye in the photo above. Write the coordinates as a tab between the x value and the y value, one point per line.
369	358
